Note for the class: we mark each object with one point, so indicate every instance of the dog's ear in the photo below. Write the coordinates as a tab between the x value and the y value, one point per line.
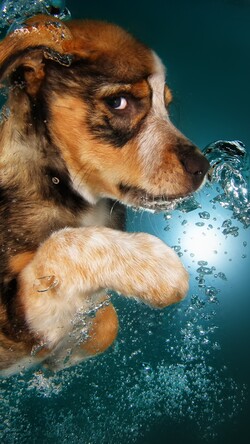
24	51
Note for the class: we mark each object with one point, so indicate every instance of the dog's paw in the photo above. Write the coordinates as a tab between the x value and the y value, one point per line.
156	273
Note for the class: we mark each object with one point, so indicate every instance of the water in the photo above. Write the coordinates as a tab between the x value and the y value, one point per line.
230	170
13	12
210	233
229	162
180	374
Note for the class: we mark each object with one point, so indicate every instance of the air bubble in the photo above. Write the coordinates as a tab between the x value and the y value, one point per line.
202	263
227	223
167	216
197	302
45	283
37	348
216	346
211	291
233	231
204	270
176	248
204	215
222	276
167	228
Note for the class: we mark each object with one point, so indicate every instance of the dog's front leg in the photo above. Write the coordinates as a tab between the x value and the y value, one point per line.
74	265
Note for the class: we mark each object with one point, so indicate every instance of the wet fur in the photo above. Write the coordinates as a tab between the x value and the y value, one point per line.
68	161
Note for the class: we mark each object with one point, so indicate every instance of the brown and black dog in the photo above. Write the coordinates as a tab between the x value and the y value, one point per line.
84	130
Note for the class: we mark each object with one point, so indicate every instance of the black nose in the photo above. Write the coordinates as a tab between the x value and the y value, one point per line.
193	161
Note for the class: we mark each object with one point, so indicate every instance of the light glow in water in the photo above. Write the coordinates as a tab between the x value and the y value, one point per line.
201	241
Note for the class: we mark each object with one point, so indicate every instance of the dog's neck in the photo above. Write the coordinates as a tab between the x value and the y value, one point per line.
36	185
25	139
34	179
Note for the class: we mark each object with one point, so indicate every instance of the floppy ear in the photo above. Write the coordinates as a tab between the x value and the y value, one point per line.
22	52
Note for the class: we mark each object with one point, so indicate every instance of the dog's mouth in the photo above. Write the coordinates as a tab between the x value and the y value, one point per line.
140	198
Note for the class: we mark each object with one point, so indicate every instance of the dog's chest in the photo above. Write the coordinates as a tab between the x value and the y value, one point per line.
105	213
96	215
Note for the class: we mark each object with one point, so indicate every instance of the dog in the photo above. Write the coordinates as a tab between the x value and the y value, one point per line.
85	131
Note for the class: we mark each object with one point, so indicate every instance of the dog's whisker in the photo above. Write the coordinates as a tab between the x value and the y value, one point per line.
112	208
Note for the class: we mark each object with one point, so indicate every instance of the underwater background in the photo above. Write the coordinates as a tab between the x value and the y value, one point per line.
181	374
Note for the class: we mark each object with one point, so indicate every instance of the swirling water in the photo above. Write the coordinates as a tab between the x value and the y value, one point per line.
230	170
13	12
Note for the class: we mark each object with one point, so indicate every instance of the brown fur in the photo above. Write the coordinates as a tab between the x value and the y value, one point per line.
85	127
19	261
103	331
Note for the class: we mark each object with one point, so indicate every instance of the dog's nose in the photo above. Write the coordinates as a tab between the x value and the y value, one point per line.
194	162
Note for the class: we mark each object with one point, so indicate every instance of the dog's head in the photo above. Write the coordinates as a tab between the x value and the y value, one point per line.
101	99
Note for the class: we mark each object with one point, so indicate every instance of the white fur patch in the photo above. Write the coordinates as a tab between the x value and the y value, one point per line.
84	261
152	140
92	259
157	83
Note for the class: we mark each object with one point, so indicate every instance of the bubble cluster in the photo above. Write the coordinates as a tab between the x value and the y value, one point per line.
230	171
13	12
125	392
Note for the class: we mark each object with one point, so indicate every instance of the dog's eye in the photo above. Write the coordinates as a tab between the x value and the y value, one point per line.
118	103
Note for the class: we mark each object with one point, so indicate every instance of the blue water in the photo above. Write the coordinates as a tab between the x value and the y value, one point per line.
181	374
